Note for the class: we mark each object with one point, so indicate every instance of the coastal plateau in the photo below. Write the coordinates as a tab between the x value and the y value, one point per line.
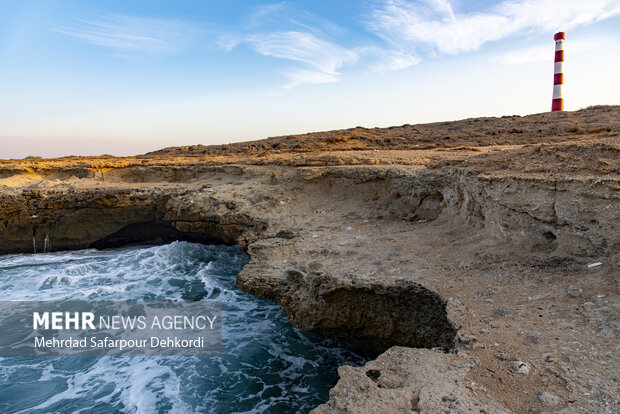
479	257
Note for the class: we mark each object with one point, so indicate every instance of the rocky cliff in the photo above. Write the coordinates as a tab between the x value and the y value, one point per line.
472	240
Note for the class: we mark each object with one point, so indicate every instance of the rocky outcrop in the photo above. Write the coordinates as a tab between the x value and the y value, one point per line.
407	380
369	314
570	215
73	218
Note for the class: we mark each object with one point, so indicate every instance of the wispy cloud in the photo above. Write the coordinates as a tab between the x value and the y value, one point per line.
286	16
314	48
127	34
300	76
434	25
388	60
288	32
321	58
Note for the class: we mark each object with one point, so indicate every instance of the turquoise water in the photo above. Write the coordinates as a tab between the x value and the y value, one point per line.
266	366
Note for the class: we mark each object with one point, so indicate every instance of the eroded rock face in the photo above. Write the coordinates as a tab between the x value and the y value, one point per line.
574	216
73	218
362	314
407	380
303	258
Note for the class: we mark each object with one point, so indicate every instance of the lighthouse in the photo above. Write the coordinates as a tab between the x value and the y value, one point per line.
557	104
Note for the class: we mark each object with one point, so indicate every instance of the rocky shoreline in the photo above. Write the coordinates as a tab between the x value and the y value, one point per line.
464	263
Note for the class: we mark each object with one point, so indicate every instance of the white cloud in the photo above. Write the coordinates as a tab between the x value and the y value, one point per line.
300	76
281	30
127	34
286	31
321	59
318	55
442	6
434	25
290	17
386	60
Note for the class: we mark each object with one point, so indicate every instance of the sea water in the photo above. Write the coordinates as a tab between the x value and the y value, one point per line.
266	364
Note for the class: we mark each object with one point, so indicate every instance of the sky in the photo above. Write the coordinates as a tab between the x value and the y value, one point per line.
127	77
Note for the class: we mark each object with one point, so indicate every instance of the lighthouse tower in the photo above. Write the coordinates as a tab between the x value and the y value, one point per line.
557	104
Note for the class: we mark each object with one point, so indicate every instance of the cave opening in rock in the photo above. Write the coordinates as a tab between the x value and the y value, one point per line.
153	233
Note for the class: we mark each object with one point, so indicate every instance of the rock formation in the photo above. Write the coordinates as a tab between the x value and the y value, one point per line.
459	251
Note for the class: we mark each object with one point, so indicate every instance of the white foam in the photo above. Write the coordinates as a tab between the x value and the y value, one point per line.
258	341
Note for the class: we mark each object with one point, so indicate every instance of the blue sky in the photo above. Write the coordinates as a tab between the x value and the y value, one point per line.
126	77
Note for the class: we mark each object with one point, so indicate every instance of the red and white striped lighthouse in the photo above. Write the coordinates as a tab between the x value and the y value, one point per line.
557	104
